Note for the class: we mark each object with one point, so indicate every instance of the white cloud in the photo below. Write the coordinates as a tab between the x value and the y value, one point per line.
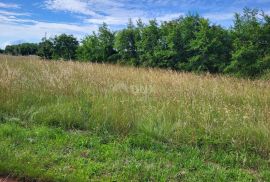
37	30
120	20
112	12
74	6
168	17
109	20
9	5
13	29
16	25
219	16
10	19
11	13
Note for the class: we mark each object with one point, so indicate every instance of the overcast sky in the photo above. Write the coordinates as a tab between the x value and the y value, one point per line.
28	20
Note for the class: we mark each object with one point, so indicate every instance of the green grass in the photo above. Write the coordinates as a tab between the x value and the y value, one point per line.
66	121
44	153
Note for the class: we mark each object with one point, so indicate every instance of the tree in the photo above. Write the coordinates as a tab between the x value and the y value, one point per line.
264	44
150	37
98	47
106	43
11	49
65	47
26	49
23	49
89	49
172	45
45	48
1	51
210	47
125	44
250	43
185	33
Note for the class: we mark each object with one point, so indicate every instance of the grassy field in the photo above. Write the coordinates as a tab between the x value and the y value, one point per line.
70	121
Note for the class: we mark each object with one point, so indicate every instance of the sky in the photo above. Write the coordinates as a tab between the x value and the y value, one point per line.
29	20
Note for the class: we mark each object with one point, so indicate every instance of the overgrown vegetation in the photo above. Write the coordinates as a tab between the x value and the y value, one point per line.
189	43
80	121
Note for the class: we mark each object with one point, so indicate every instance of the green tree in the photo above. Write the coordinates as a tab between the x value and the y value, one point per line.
264	44
210	47
173	47
45	48
106	44
185	33
23	49
65	47
12	50
150	37
249	44
98	47
164	56
89	49
125	44
27	49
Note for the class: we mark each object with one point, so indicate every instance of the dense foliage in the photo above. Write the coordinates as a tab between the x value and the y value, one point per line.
64	47
23	49
251	43
60	47
190	43
46	49
98	47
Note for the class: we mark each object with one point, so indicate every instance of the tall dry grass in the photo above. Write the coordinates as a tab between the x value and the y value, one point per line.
180	108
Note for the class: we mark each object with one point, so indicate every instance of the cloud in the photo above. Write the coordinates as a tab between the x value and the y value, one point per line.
34	32
219	16
168	17
38	28
9	5
28	30
74	6
120	20
112	12
11	19
11	13
16	25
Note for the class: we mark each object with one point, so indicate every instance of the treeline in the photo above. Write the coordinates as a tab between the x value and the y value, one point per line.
189	43
22	49
61	47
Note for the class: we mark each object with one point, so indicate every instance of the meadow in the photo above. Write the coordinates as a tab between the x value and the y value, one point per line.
73	121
